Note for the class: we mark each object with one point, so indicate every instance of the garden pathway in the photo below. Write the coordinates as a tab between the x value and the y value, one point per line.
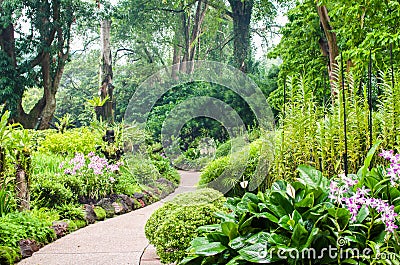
116	241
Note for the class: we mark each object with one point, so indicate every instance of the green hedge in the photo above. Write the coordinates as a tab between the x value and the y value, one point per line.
171	227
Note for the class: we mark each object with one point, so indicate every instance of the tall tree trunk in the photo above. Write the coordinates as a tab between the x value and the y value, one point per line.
191	34
106	73
241	14
176	57
333	50
186	37
22	176
198	21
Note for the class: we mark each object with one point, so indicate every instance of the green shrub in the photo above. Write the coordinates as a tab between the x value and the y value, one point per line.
46	163
22	225
257	153
143	170
71	226
164	167
126	182
45	215
80	223
213	170
77	140
223	149
172	175
195	164
171	227
49	190
6	197
8	255
100	213
70	212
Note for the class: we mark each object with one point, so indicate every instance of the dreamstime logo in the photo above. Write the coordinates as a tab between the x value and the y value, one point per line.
152	89
331	252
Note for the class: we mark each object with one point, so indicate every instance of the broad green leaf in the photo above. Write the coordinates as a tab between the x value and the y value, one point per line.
290	191
257	253
311	177
278	200
199	241
218	237
278	239
299	236
210	249
296	216
192	260
284	222
235	260
279	185
238	242
362	214
269	216
230	229
308	201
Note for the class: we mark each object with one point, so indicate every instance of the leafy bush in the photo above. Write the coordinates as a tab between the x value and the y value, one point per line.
171	227
22	225
164	167
192	164
126	183
353	212
45	215
95	173
225	148
82	177
312	133
257	153
143	169
46	163
70	212
8	255
214	170
49	190
77	140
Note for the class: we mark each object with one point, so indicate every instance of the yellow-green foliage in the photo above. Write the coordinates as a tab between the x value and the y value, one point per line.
171	227
8	255
310	134
81	140
100	213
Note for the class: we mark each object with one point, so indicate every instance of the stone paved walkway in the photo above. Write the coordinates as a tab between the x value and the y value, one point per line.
117	241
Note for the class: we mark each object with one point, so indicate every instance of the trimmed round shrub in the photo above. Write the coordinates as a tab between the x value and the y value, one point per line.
171	227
